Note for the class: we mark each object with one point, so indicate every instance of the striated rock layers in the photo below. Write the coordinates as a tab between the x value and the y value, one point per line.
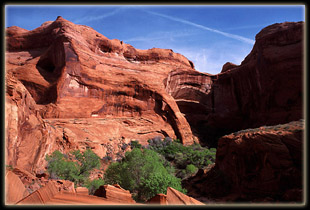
265	162
57	192
259	165
69	87
14	188
266	89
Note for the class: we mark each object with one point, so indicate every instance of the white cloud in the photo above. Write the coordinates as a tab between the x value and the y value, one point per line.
206	58
212	60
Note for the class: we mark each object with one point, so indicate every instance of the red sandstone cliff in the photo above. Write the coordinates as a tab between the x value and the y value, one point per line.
266	89
70	87
264	164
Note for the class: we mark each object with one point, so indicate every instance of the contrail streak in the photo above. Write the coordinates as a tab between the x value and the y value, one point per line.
93	18
233	36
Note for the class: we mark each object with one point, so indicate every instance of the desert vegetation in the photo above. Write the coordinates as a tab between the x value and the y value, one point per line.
186	159
290	126
149	170
144	173
144	170
76	167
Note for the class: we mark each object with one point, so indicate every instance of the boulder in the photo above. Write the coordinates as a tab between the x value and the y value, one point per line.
81	190
14	188
40	196
64	185
114	193
175	197
159	199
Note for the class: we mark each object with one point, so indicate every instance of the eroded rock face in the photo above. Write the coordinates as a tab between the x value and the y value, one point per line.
258	165
228	66
69	87
263	163
114	193
27	139
14	188
50	194
175	197
266	89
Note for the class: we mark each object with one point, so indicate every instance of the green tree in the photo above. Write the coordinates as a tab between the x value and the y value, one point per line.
60	166
182	155
184	158
87	160
93	185
143	173
191	169
158	183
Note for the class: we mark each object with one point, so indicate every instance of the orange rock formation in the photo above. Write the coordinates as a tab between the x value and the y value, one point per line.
115	193
69	87
105	195
257	165
266	89
14	188
173	197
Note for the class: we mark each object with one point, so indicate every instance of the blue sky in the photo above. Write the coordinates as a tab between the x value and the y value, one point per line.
208	35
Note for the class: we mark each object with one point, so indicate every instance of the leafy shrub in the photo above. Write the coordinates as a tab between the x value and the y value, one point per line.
158	182
60	166
93	185
87	161
191	169
135	144
186	172
182	155
143	173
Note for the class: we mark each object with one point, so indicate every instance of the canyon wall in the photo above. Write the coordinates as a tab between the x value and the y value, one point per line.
264	164
69	87
266	89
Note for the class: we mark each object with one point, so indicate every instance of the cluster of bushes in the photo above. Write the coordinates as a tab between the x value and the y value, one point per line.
75	167
93	185
144	171
186	159
290	126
